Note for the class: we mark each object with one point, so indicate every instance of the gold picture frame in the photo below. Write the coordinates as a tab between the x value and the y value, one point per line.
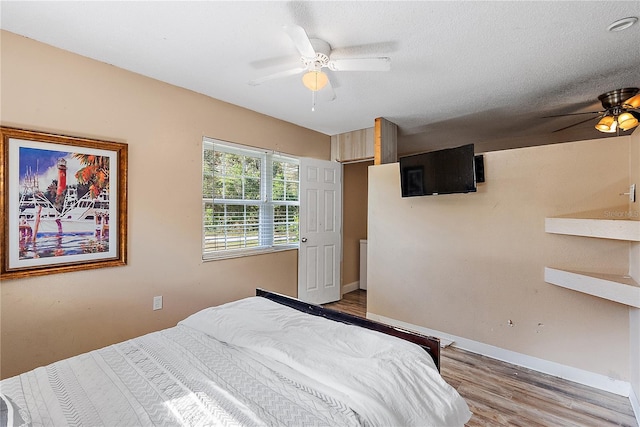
63	205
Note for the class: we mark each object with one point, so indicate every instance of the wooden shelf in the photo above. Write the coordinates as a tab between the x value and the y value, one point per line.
617	229
618	288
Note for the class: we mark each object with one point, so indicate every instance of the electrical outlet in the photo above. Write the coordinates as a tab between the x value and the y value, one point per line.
157	302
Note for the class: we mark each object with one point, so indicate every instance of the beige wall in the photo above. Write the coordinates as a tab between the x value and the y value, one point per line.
354	220
47	318
634	264
468	264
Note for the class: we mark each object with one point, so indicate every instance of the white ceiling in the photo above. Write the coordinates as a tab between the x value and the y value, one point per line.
461	72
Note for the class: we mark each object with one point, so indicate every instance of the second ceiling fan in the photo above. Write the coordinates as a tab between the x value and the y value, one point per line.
621	111
315	55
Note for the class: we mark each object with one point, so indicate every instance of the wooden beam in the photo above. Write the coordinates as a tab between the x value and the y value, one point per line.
385	142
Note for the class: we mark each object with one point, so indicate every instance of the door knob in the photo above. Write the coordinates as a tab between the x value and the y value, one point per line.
304	240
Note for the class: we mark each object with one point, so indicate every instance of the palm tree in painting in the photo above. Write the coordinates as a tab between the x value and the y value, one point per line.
94	173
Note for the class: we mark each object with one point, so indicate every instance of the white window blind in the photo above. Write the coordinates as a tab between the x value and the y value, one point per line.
250	200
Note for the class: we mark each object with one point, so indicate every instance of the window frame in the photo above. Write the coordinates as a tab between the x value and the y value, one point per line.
266	204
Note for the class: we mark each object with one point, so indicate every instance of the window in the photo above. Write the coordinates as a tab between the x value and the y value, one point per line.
250	200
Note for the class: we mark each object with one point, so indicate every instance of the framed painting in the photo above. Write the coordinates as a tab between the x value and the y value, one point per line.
63	203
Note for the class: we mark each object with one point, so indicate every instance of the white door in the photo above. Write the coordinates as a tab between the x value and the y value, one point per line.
320	231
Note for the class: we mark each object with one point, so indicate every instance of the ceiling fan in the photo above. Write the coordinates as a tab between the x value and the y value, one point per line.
316	56
621	111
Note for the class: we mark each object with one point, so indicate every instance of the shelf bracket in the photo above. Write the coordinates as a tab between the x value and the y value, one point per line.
631	193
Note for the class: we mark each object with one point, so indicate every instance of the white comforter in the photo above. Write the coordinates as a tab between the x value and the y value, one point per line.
248	363
387	381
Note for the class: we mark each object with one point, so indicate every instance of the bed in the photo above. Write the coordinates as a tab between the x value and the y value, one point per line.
267	360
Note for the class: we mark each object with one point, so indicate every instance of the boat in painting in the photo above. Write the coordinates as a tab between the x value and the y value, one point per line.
38	215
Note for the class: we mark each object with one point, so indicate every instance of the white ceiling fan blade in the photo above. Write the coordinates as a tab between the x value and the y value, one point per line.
278	75
361	64
300	40
327	93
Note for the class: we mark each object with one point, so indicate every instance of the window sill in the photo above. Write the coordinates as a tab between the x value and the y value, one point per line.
245	252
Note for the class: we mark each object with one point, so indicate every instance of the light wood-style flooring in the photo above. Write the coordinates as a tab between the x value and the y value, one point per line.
501	394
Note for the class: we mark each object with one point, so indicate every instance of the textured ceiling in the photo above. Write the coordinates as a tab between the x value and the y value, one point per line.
461	72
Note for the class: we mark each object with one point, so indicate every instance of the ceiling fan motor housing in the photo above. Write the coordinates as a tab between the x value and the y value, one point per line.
323	50
615	98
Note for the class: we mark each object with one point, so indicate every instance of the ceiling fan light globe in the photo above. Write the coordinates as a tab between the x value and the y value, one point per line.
607	124
627	121
633	102
315	80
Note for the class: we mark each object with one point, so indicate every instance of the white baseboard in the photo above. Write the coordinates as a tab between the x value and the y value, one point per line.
635	403
591	379
353	286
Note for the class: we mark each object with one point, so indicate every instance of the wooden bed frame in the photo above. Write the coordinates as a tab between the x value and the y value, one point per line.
430	344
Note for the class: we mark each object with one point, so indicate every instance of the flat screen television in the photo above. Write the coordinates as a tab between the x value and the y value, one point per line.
439	172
